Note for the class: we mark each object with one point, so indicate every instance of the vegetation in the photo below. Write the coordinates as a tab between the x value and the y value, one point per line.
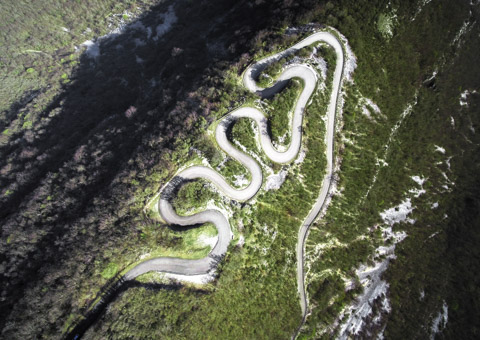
192	195
87	142
280	109
265	263
110	271
420	265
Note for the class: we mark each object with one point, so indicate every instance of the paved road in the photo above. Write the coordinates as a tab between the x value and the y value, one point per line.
309	76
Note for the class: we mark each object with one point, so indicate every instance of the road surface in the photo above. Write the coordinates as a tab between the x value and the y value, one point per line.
309	77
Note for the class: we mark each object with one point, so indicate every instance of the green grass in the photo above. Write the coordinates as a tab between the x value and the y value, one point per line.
280	109
257	282
351	215
189	244
110	271
255	295
193	196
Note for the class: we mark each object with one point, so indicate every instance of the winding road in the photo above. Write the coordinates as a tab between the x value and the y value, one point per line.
309	77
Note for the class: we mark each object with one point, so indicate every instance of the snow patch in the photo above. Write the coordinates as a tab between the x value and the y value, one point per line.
434	74
300	157
457	40
439	149
464	97
440	321
275	181
399	213
322	66
419	180
240	180
241	241
448	162
93	48
350	59
420	8
169	18
375	289
391	137
368	106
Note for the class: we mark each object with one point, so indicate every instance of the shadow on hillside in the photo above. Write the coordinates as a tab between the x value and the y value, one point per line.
117	100
108	296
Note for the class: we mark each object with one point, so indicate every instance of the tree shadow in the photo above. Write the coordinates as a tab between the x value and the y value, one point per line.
129	91
109	295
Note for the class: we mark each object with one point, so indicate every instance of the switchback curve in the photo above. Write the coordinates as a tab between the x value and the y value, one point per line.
309	77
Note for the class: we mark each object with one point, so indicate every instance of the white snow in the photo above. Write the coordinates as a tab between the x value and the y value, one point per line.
448	162
241	241
463	30
391	137
399	213
368	106
420	7
464	97
440	321
240	180
169	18
434	74
415	191
419	180
381	162
447	179
301	156
366	111
439	149
322	66
374	288
93	48
275	181
350	59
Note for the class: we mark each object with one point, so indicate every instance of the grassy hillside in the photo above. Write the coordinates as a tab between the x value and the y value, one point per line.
89	138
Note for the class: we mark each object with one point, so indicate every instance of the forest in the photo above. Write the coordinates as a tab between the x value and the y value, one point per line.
88	140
